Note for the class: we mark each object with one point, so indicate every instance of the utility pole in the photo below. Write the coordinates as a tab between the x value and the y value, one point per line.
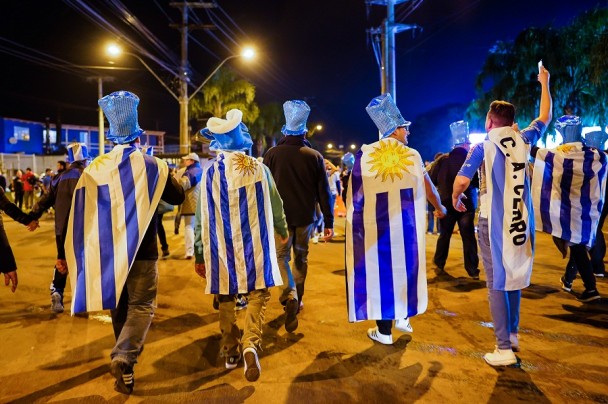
102	136
387	31
184	71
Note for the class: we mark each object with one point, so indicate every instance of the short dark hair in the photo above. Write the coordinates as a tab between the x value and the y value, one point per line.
502	112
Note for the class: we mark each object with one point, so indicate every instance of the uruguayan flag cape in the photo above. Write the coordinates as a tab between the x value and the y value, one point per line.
237	226
385	239
510	219
568	191
113	203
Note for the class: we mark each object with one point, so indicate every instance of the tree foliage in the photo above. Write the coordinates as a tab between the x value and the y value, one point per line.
576	57
267	128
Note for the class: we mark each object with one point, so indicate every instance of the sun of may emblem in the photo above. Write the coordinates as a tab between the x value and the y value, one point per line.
245	165
390	160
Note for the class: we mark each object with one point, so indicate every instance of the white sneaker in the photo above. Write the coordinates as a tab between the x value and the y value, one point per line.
403	325
514	338
252	364
315	239
500	357
374	334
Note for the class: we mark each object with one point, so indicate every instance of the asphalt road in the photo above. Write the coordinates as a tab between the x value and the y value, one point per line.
58	358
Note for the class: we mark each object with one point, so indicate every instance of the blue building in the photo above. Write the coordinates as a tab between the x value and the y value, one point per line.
29	137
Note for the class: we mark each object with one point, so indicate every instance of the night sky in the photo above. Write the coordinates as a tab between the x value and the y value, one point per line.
316	50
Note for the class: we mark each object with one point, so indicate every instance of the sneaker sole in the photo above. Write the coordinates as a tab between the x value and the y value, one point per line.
252	366
117	371
56	306
589	299
564	287
501	363
233	365
291	320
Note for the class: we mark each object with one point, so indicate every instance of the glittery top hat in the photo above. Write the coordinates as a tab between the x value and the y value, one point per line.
385	114
570	127
120	108
296	114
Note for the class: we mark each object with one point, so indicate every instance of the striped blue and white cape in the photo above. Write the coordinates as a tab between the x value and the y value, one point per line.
113	203
509	208
237	228
568	191
385	233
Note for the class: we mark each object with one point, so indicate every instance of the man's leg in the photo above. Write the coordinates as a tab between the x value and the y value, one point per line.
583	265
443	241
189	235
231	334
162	236
466	224
300	248
254	320
598	251
288	289
141	289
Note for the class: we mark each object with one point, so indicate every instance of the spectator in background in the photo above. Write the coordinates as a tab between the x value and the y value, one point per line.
2	181
61	166
348	160
46	181
430	210
17	188
29	183
190	181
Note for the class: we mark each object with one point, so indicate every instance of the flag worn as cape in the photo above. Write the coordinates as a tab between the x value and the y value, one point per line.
568	191
113	203
509	207
385	233
237	227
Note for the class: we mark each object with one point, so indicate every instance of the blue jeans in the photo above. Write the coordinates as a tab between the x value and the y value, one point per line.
298	240
132	318
504	305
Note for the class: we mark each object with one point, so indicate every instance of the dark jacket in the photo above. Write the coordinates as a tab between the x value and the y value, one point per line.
12	210
444	171
299	172
7	259
172	194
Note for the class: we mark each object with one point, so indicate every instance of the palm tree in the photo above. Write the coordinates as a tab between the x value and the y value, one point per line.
267	128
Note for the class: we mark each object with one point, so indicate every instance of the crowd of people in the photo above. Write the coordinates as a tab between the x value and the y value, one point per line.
248	223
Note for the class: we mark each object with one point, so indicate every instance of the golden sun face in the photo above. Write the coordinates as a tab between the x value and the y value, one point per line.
390	160
245	165
566	148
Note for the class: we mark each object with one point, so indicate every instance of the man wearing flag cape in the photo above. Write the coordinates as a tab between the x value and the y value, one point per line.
110	246
568	188
506	221
385	227
237	214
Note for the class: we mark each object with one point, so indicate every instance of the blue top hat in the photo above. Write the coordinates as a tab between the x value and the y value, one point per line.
596	139
229	134
296	114
120	108
349	160
460	132
570	127
77	152
385	114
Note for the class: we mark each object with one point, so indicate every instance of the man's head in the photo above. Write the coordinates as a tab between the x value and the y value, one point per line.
28	170
78	152
61	166
570	127
388	118
460	134
48	171
190	159
296	115
120	108
229	134
501	114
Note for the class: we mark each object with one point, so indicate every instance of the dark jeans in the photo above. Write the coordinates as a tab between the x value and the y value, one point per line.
18	199
162	236
384	326
298	240
579	261
466	225
598	251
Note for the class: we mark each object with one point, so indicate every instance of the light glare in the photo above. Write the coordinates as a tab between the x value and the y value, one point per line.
248	53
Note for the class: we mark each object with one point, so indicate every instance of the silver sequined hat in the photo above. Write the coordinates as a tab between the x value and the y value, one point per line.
120	108
296	115
386	115
596	139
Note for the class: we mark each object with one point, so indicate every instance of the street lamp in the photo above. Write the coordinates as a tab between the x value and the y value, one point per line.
182	98
353	146
316	128
330	146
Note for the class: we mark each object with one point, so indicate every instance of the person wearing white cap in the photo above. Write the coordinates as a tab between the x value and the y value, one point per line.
111	248
505	225
59	196
569	185
190	181
299	172
238	213
385	223
442	173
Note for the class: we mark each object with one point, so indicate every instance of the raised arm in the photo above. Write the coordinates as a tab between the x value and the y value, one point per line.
546	104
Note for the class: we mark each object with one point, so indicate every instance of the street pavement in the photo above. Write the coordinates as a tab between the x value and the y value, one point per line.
58	358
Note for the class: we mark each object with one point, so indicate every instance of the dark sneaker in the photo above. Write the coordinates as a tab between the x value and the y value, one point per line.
241	302
474	274
291	318
566	286
252	364
588	296
216	302
165	252
123	373
232	361
56	302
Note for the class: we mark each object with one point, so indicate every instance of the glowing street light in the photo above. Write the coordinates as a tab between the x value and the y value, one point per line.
353	146
183	98
330	146
314	130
